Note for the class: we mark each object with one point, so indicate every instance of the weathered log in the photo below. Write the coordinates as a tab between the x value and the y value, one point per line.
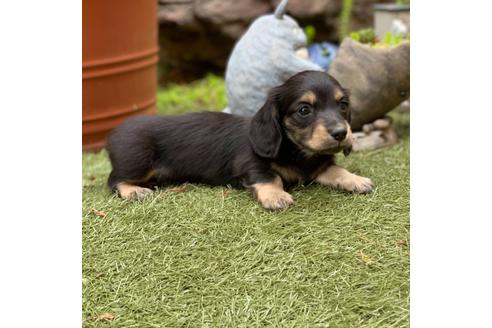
378	78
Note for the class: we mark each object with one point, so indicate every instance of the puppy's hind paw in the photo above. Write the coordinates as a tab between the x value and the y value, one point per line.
132	192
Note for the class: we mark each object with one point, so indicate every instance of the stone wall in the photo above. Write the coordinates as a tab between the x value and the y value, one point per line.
197	36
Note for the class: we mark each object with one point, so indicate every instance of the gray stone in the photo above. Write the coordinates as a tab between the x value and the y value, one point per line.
197	36
376	138
371	141
263	58
220	12
180	15
378	78
367	128
313	8
381	124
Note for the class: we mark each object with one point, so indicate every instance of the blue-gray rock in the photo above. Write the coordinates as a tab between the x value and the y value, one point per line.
263	58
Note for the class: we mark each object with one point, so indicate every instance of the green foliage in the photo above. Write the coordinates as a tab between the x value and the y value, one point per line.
402	2
344	18
310	32
205	94
368	36
364	36
391	39
355	36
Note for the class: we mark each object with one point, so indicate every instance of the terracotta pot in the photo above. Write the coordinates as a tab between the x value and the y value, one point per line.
119	72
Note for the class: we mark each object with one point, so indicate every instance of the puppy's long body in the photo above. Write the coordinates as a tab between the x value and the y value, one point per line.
292	139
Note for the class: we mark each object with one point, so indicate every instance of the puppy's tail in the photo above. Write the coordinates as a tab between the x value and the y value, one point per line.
280	11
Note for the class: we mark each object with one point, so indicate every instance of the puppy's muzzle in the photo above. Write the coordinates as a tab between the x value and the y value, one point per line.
338	138
339	134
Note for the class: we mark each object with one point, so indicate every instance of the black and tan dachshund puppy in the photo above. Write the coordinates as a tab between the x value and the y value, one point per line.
292	139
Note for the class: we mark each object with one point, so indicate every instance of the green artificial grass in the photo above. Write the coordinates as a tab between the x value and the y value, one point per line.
200	256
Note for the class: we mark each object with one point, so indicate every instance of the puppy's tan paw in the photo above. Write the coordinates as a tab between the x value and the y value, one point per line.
132	192
276	200
342	179
356	184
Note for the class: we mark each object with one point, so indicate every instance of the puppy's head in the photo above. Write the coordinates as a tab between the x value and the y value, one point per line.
311	109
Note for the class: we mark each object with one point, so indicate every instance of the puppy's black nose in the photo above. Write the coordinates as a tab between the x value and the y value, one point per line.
339	134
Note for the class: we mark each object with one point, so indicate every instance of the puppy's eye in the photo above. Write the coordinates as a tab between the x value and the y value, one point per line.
304	110
343	106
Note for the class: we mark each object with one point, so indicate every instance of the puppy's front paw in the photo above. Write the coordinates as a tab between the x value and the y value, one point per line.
356	184
340	178
277	199
132	192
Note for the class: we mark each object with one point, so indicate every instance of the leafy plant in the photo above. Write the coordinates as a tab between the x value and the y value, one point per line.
310	32
391	39
345	15
364	36
368	36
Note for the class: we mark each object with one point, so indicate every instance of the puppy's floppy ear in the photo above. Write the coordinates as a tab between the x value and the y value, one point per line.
265	133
